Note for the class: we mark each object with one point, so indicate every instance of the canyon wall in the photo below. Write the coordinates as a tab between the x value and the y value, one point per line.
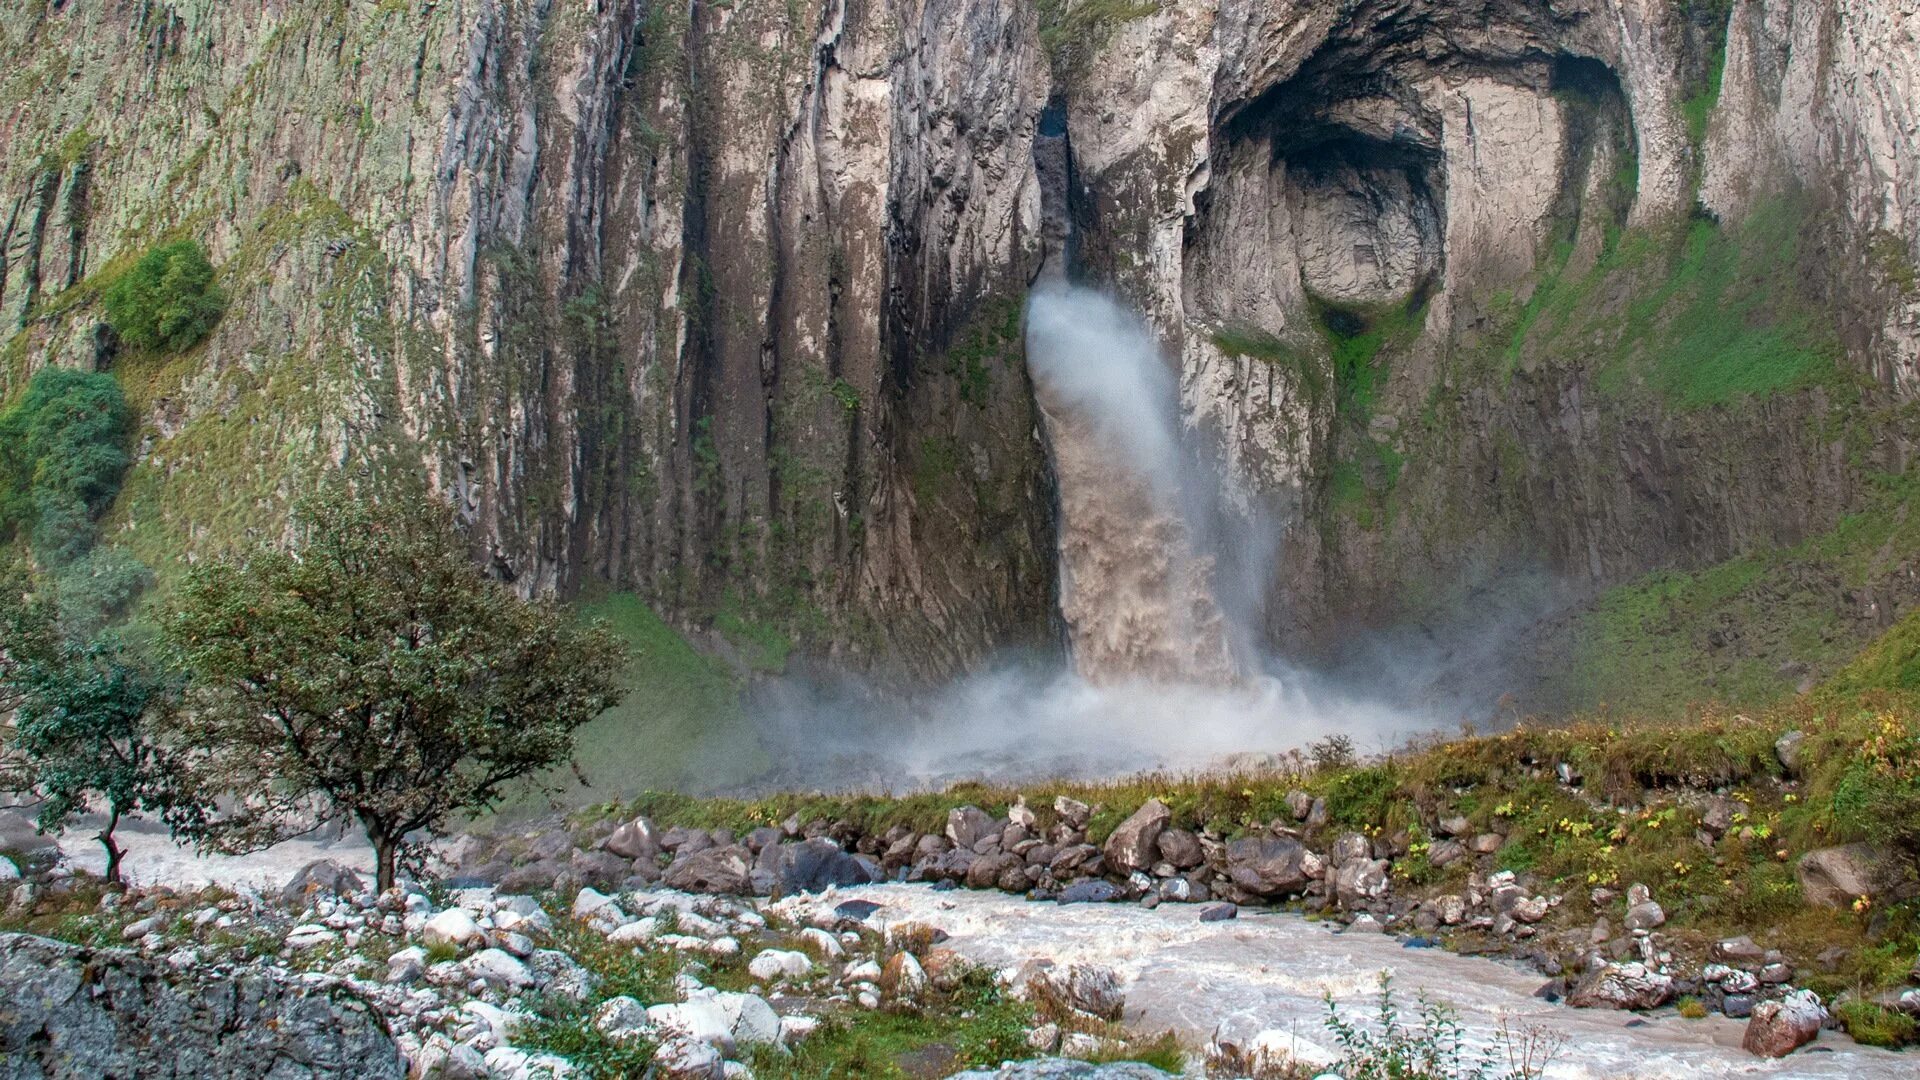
722	302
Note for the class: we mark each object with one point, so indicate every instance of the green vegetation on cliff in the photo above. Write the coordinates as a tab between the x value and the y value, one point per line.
62	454
167	300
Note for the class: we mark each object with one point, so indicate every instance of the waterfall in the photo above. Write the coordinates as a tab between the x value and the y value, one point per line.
1137	579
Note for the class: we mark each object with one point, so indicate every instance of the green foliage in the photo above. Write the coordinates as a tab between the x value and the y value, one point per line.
1702	317
679	724
1255	344
375	672
1876	1026
1696	108
86	721
168	300
981	1024
62	456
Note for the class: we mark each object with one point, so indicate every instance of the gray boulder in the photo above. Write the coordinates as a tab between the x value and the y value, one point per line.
808	866
968	825
1622	986
711	870
1268	865
1837	876
637	839
78	1012
1134	845
1181	848
322	876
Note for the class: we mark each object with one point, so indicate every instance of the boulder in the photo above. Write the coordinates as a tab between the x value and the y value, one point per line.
987	871
1076	988
76	1011
1220	912
775	964
500	968
321	877
1245	1044
1181	848
903	976
1787	749
1091	891
637	839
1268	866
808	866
1134	843
682	1058
1778	1028
725	870
1073	812
1360	880
1837	876
1646	915
968	825
698	1019
622	1019
453	928
1622	986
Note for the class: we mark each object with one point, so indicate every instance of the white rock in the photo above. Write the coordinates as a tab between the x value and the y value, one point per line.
310	935
734	1070
779	964
700	1019
455	927
622	1018
637	932
681	1058
499	967
749	1017
497	1022
8	871
820	941
796	1029
864	971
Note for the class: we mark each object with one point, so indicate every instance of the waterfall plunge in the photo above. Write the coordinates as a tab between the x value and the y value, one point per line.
1138	576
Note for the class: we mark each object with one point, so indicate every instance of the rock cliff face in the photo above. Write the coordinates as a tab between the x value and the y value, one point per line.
723	301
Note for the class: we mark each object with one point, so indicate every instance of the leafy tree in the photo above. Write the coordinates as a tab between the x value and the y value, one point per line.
167	300
62	454
83	722
373	674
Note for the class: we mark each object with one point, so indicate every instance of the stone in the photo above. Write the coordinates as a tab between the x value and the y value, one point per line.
1450	909
1268	866
561	975
1073	812
987	871
83	1012
1181	848
968	825
796	1029
1486	843
683	1058
1778	1028
1360	881
1787	749
499	968
1083	988
307	936
321	877
776	964
1244	1044
454	927
1091	891
637	839
808	866
1299	804
1622	986
1645	916
1835	877
1220	912
1347	848
1737	1006
1739	951
723	870
700	1019
1455	826
903	976
1133	844
9	870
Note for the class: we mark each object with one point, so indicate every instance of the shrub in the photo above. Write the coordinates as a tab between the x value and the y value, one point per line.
168	301
1875	1026
62	454
1432	1047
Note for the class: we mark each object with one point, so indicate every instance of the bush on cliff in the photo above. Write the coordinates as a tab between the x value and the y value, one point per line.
373	674
62	454
168	300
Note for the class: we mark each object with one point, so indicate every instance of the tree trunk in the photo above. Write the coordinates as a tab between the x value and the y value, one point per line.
385	852
114	851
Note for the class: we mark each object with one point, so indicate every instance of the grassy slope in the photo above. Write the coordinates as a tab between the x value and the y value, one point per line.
680	726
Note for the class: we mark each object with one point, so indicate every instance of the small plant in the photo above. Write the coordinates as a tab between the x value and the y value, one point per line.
1692	1008
1876	1026
168	301
1334	752
1432	1047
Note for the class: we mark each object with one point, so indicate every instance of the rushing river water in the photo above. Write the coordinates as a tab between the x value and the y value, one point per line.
1183	974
